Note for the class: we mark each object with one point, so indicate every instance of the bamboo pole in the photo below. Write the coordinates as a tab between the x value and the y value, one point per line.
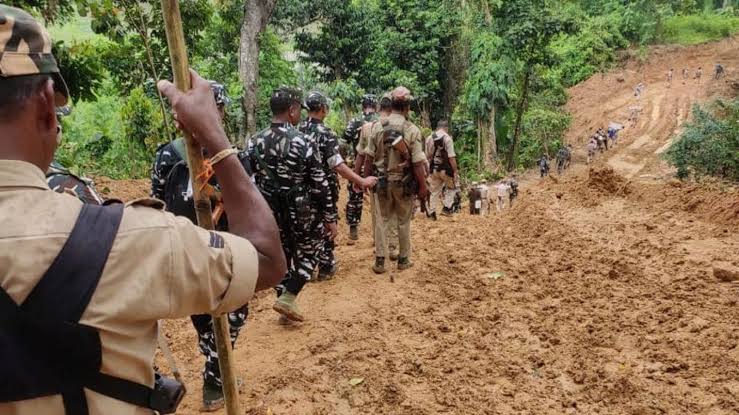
180	69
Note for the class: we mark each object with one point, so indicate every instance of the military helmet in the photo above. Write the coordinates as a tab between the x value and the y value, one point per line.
220	94
315	101
25	49
63	111
369	100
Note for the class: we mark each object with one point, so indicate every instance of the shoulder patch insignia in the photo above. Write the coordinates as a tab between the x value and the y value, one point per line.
216	241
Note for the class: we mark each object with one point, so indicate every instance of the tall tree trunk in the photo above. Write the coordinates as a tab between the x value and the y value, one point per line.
519	118
425	115
256	17
490	141
481	140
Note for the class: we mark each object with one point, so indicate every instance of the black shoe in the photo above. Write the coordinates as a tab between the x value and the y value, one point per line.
446	212
433	216
325	274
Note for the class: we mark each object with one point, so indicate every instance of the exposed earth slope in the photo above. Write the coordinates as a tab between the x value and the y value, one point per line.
604	290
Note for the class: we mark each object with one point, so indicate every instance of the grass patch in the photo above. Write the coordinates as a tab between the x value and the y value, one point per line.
76	29
695	29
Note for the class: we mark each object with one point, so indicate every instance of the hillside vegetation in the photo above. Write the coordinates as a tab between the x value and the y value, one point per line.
498	69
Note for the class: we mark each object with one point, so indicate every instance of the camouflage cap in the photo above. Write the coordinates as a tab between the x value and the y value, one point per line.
369	100
289	94
401	94
220	94
315	101
25	49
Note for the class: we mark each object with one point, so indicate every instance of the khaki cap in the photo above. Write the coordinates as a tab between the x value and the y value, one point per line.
25	49
401	94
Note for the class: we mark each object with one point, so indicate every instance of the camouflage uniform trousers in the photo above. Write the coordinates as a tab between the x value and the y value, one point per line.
354	206
302	258
207	342
326	257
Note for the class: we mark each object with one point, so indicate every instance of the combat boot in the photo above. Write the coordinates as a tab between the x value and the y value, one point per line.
404	263
353	234
212	398
325	274
432	216
379	267
287	306
446	211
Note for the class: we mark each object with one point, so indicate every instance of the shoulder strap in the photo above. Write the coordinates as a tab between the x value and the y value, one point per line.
75	272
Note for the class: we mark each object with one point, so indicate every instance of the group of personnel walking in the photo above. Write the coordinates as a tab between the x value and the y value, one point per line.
719	71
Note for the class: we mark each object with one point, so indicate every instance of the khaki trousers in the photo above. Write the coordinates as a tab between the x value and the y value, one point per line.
396	209
392	231
437	181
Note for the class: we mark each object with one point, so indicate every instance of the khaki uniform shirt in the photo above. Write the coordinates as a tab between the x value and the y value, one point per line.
160	266
431	149
412	137
364	136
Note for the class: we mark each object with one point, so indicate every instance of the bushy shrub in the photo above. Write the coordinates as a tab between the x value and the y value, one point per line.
88	133
693	29
709	144
142	121
591	50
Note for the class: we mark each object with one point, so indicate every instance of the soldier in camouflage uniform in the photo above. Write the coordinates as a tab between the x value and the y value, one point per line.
333	164
170	182
351	137
289	173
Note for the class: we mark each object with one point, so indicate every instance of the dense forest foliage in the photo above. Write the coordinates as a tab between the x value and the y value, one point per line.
498	69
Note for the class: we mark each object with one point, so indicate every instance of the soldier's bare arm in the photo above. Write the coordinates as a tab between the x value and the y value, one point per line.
249	215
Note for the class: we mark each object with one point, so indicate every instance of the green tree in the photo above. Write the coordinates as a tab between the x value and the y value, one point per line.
490	79
709	144
528	27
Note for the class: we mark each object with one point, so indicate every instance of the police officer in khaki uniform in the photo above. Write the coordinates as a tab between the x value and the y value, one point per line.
155	265
444	175
396	155
368	131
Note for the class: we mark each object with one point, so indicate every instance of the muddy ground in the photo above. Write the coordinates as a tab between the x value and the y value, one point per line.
608	290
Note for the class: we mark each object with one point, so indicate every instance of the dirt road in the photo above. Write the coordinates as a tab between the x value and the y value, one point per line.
599	292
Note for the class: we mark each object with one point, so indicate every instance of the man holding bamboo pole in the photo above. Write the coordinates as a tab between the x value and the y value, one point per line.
78	322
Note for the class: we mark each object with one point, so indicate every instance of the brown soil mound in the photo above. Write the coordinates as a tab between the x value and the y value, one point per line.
605	180
125	190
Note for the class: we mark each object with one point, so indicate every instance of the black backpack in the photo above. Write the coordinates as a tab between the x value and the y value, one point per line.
45	350
178	181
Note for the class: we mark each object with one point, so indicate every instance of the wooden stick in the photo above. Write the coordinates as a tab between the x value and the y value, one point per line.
180	69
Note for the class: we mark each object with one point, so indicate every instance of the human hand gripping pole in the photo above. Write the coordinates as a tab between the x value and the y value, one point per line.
214	143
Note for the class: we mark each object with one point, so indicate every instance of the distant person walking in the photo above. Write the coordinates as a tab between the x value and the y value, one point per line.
503	194
670	74
686	75
544	165
592	147
699	74
639	89
719	71
513	183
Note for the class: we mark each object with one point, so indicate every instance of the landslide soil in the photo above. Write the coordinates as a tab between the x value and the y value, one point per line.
594	294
